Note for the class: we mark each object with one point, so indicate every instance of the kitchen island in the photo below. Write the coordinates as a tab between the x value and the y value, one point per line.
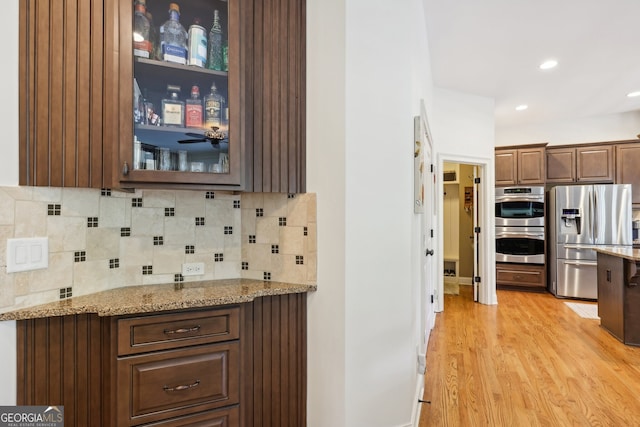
619	292
221	352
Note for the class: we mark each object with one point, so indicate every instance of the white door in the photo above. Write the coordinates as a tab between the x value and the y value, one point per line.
476	237
428	243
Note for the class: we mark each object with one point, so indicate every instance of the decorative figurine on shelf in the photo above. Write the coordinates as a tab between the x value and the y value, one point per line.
214	136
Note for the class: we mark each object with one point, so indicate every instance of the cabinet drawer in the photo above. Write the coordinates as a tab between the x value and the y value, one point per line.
165	331
173	383
226	417
506	275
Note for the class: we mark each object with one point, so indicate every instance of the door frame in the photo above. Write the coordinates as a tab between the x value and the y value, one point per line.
486	241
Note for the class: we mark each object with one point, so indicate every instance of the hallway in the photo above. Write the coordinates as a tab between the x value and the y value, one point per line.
528	361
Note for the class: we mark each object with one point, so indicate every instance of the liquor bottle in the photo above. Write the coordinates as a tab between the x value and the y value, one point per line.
141	31
154	37
197	54
173	37
194	109
213	107
215	44
173	108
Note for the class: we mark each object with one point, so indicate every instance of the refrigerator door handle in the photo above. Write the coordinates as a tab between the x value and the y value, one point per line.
570	246
595	217
592	263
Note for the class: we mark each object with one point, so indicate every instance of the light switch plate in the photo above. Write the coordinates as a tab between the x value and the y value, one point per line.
29	253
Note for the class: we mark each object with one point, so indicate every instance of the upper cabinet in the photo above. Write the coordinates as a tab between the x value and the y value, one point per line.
580	164
520	166
628	168
130	101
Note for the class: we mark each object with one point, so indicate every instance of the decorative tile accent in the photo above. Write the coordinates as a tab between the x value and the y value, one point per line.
245	265
267	275
136	202
158	240
236	204
66	293
282	221
306	231
114	263
177	278
169	212
299	260
53	209
80	256
291	196
125	232
228	230
275	249
105	192
92	222
218	257
147	269
189	249
252	238
259	212
199	221
210	195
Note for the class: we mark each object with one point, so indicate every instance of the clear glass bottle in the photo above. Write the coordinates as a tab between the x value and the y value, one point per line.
142	45
154	37
173	37
193	117
197	54
215	44
213	108
173	107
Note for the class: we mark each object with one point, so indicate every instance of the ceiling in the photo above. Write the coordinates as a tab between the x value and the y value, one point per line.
493	48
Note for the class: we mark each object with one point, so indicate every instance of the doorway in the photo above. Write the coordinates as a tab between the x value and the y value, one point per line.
459	219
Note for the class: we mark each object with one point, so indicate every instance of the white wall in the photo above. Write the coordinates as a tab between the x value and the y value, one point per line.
365	79
9	175
613	127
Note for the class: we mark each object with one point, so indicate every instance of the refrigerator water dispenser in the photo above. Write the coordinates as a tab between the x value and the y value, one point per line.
571	219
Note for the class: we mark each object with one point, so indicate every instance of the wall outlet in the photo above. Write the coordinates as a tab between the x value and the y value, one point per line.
26	254
193	268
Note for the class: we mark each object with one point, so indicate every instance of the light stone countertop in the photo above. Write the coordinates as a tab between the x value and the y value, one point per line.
626	252
152	298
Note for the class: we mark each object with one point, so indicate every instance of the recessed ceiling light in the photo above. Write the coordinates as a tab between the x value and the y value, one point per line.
521	107
633	94
548	64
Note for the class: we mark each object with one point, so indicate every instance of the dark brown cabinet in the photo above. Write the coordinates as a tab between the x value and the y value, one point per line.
76	107
619	297
530	276
580	164
225	366
628	168
520	166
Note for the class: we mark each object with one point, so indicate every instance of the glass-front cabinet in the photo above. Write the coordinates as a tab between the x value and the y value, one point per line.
183	59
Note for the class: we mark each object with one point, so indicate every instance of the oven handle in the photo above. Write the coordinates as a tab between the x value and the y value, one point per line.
520	234
519	198
591	263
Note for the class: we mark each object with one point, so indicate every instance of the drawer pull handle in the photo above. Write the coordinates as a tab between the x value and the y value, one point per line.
181	387
182	330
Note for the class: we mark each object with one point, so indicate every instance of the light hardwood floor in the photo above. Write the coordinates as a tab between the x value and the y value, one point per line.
529	361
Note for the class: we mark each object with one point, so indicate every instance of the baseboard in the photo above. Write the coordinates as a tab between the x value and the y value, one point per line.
465	281
417	406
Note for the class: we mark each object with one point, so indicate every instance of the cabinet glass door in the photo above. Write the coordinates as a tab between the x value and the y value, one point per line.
181	90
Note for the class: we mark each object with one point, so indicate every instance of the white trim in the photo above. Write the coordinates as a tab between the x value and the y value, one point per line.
465	281
417	406
487	294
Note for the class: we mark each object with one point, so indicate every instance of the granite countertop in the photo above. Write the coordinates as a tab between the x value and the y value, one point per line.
626	252
152	298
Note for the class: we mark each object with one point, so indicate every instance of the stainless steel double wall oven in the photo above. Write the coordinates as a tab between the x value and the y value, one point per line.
520	225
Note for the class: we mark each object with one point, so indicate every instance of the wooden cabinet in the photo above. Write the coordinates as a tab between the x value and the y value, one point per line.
76	106
619	297
628	168
580	164
520	166
531	276
224	366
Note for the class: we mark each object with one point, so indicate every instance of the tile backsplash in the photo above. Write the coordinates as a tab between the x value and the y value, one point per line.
103	239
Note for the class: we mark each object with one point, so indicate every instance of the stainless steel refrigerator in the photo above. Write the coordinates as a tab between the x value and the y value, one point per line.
581	217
